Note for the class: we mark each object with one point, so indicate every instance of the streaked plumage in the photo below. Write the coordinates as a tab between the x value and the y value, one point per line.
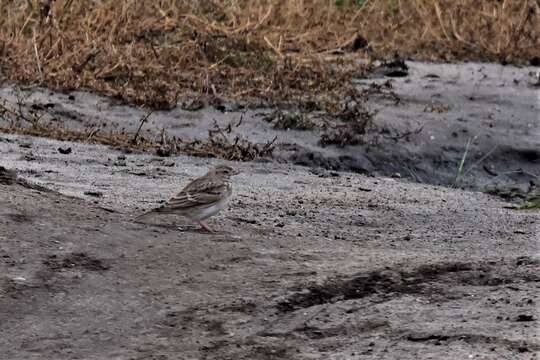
202	197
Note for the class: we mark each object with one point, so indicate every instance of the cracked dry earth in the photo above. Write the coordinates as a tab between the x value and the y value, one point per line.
338	266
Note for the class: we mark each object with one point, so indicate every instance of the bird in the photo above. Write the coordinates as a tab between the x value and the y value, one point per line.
201	198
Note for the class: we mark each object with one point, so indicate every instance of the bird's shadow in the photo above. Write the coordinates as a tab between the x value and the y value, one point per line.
182	228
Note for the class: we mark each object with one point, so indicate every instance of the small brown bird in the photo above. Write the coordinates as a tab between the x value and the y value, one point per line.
201	198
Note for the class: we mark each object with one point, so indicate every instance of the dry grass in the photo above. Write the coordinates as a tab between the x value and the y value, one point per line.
29	119
299	51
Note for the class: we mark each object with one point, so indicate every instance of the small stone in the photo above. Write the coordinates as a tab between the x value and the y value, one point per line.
29	157
524	317
93	193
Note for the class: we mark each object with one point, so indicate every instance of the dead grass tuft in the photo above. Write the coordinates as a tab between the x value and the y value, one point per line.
221	144
290	120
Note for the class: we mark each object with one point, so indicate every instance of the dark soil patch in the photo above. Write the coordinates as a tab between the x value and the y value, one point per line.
20	218
427	280
75	260
444	339
20	289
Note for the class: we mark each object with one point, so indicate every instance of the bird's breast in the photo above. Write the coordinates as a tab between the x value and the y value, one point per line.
211	210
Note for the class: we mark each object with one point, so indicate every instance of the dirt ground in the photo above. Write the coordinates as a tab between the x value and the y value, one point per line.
304	266
308	262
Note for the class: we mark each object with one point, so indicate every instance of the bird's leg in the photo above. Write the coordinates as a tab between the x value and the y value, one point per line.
205	226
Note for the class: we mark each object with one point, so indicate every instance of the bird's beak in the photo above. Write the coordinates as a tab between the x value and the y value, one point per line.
236	172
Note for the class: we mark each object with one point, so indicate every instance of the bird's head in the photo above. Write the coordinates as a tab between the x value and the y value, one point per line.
224	171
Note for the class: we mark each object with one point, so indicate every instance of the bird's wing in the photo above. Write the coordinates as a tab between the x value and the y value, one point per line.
198	192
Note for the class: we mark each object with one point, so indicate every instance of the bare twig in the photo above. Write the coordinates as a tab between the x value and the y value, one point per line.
269	146
91	134
480	160
141	123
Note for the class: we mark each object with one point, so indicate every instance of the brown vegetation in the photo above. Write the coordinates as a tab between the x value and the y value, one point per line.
303	52
35	120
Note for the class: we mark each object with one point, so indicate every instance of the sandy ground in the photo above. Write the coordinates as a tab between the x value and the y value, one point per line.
339	266
327	261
